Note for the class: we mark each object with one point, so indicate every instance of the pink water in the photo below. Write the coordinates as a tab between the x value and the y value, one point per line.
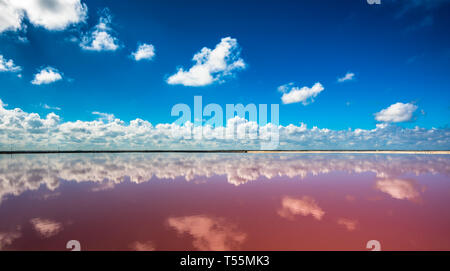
224	201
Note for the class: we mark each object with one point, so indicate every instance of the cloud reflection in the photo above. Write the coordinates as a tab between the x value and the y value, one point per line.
349	224
143	246
22	173
46	228
290	207
209	233
399	188
7	238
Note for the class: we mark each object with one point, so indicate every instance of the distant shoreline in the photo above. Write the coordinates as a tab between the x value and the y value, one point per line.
233	151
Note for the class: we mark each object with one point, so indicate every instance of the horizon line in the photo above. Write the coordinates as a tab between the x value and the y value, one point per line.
229	151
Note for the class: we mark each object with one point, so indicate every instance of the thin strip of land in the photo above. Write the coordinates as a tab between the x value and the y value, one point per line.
359	151
231	151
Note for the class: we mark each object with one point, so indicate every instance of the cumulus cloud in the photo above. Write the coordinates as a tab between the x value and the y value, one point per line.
11	16
31	131
101	37
49	14
209	233
211	65
18	120
46	76
7	65
144	52
290	207
398	112
305	95
46	228
347	77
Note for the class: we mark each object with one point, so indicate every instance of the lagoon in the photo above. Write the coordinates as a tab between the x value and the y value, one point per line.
224	201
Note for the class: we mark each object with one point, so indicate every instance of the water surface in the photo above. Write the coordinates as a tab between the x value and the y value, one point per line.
224	201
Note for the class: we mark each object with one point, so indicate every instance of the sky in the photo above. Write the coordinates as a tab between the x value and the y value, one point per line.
82	74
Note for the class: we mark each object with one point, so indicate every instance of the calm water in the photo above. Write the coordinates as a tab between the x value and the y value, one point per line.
224	201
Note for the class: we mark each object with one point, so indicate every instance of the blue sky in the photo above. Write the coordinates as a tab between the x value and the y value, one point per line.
395	52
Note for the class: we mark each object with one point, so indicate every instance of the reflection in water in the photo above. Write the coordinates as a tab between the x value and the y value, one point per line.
304	206
28	172
224	201
209	233
7	238
349	224
45	227
399	188
143	246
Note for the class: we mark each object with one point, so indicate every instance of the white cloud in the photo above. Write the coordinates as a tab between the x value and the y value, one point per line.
22	39
50	14
398	112
348	77
211	65
285	88
104	116
99	41
305	95
45	227
30	131
100	38
46	106
8	65
144	52
11	17
46	75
